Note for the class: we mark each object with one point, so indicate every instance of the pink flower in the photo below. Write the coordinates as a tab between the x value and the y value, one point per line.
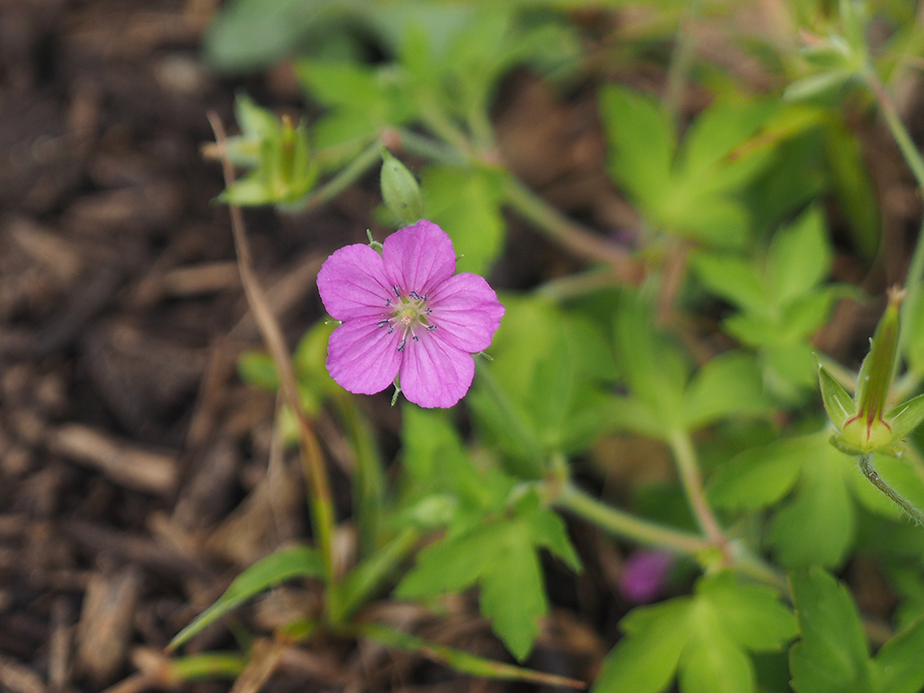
406	312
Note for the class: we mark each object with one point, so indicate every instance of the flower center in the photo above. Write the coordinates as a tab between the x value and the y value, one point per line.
407	313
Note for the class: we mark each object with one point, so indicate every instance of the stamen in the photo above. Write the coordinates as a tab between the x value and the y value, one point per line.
415	295
430	328
401	345
395	289
381	323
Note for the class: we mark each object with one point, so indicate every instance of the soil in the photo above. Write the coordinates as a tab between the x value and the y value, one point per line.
133	461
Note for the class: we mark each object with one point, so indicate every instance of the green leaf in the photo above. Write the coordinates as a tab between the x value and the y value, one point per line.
513	593
641	142
817	526
760	477
899	667
718	130
453	564
548	530
727	386
465	202
257	368
799	257
733	279
655	370
832	656
750	614
465	662
298	561
645	660
712	662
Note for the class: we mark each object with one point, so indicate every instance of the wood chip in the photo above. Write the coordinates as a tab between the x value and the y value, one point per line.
123	463
105	622
18	678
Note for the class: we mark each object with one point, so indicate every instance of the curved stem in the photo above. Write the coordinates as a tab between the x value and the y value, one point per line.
570	235
692	481
345	177
628	526
680	62
866	466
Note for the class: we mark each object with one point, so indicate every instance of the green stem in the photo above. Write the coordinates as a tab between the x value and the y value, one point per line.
430	149
570	235
691	479
866	466
681	60
628	526
346	176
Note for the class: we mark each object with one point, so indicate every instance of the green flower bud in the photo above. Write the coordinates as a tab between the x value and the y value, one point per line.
862	422
400	191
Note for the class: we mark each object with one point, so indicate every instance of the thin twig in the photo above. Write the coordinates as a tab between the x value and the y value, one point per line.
311	454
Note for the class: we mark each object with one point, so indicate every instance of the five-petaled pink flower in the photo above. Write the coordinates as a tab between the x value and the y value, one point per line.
406	311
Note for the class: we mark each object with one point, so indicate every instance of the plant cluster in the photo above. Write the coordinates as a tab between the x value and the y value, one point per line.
764	511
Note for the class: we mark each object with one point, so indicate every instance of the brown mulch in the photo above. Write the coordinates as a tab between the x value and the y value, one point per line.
133	462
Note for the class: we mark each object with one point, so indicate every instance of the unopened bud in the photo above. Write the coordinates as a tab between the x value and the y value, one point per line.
400	191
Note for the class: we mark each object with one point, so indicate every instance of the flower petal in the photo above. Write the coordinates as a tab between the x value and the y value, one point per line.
362	357
419	257
466	312
353	283
434	373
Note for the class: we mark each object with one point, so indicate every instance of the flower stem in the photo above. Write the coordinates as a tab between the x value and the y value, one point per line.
681	60
691	479
866	466
345	177
628	526
570	235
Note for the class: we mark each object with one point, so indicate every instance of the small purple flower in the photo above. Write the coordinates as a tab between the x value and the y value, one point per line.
644	575
406	311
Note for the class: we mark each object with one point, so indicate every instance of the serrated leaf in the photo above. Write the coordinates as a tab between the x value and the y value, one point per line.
645	660
454	563
799	257
832	656
750	614
816	527
298	561
728	385
548	530
733	279
513	593
641	142
718	130
760	477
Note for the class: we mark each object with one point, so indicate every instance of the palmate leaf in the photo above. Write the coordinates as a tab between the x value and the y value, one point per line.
500	557
704	640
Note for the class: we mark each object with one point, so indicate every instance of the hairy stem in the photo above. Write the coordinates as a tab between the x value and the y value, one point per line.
866	466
